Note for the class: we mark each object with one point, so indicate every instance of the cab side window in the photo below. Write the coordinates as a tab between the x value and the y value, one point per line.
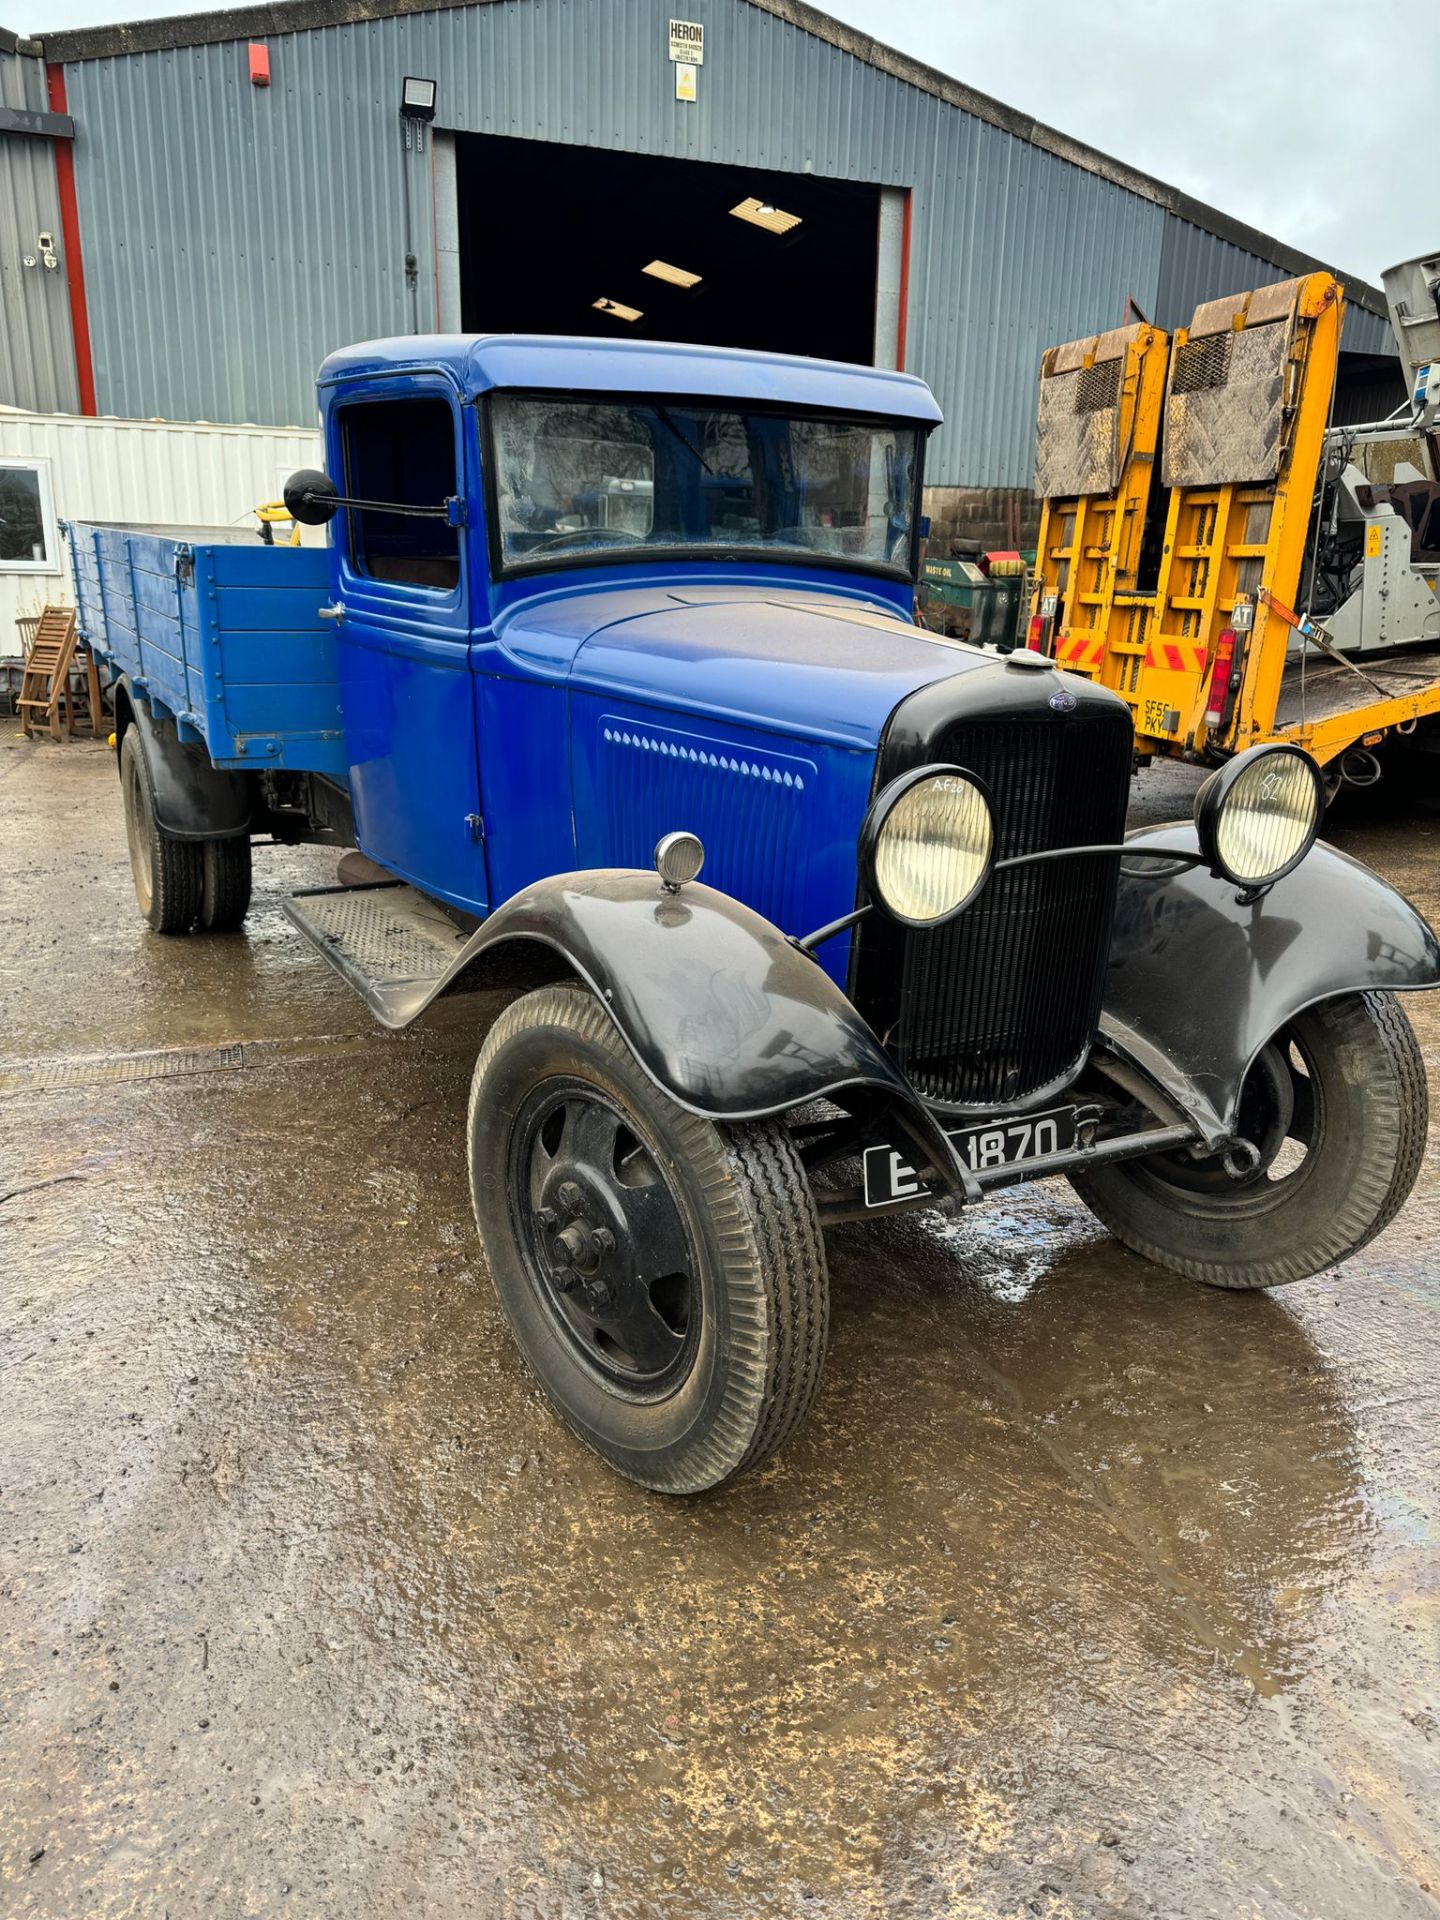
402	451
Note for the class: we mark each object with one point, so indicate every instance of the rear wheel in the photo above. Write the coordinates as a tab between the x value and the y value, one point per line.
225	885
168	873
664	1276
1336	1108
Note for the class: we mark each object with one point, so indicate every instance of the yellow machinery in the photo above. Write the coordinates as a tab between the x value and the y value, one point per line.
1177	590
1099	425
273	514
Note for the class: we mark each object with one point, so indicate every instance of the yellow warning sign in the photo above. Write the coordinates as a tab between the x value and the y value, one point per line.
684	80
1374	539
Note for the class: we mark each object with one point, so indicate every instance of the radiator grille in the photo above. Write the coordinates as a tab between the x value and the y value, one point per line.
1004	1000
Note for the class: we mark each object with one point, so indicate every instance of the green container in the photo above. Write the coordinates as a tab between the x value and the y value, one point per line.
957	598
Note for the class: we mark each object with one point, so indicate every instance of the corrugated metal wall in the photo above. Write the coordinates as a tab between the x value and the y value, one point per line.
145	471
1197	266
234	235
37	354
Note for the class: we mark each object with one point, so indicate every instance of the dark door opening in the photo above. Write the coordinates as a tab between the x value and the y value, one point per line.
547	230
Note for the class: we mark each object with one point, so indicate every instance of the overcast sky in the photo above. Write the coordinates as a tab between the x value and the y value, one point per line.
1315	120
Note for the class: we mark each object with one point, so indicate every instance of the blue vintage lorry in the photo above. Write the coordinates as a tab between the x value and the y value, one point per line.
592	616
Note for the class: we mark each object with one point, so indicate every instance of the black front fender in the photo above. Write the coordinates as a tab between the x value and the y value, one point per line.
716	1005
1198	982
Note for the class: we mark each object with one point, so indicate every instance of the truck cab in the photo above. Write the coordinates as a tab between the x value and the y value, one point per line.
596	619
615	588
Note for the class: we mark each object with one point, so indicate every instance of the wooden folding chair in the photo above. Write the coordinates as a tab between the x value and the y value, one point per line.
45	684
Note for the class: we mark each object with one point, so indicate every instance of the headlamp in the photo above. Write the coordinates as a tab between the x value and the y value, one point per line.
927	845
1259	815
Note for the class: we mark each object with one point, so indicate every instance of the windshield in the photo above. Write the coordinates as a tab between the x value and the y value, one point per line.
588	479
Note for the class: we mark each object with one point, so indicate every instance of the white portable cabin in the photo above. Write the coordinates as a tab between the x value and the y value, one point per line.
56	467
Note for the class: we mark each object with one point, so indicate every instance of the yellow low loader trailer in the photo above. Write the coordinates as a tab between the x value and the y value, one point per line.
1181	483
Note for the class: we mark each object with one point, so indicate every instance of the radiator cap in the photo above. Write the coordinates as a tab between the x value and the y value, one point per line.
1028	660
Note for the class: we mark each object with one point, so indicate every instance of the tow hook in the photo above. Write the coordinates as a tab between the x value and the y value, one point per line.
1360	768
1240	1159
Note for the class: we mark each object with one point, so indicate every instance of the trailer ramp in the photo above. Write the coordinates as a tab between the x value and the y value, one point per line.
1096	439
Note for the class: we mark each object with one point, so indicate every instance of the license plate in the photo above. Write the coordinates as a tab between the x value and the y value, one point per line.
995	1143
1048	605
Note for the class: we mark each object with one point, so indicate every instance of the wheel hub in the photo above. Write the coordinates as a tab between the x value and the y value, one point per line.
577	1253
1274	1107
604	1238
1267	1106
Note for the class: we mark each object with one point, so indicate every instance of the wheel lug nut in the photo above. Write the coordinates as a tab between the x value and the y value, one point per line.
547	1216
569	1195
603	1240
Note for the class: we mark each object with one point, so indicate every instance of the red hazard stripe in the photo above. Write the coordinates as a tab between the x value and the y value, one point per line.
1080	649
1176	656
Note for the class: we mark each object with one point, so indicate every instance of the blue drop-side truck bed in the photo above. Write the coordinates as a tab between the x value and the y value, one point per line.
220	632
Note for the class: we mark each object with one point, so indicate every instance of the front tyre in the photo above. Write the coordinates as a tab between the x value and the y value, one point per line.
664	1276
1336	1105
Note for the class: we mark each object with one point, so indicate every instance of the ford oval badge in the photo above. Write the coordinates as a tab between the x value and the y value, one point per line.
1064	701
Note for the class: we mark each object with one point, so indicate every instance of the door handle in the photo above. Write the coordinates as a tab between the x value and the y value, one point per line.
331	613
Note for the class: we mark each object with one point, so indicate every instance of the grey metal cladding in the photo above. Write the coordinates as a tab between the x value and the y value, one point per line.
1196	266
37	355
234	235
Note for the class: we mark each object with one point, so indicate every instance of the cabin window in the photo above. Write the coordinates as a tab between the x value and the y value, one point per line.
28	542
402	453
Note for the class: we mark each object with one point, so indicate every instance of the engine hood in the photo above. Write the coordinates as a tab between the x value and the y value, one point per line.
812	665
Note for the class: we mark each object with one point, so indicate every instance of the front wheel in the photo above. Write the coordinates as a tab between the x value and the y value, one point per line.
664	1276
1336	1106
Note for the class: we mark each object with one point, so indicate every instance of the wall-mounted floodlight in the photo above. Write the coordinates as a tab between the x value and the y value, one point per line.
617	309
417	98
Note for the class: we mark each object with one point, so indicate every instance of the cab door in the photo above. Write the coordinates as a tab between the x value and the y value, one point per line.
405	593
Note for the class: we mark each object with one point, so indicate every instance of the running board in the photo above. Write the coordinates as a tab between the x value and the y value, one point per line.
390	943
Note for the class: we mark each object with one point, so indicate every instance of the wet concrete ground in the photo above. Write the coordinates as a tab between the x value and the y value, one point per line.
1085	1592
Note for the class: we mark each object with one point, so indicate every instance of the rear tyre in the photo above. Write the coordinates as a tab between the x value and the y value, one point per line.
225	884
1337	1106
664	1276
167	872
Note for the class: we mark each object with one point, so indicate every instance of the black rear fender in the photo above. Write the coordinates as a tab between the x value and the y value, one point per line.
193	800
